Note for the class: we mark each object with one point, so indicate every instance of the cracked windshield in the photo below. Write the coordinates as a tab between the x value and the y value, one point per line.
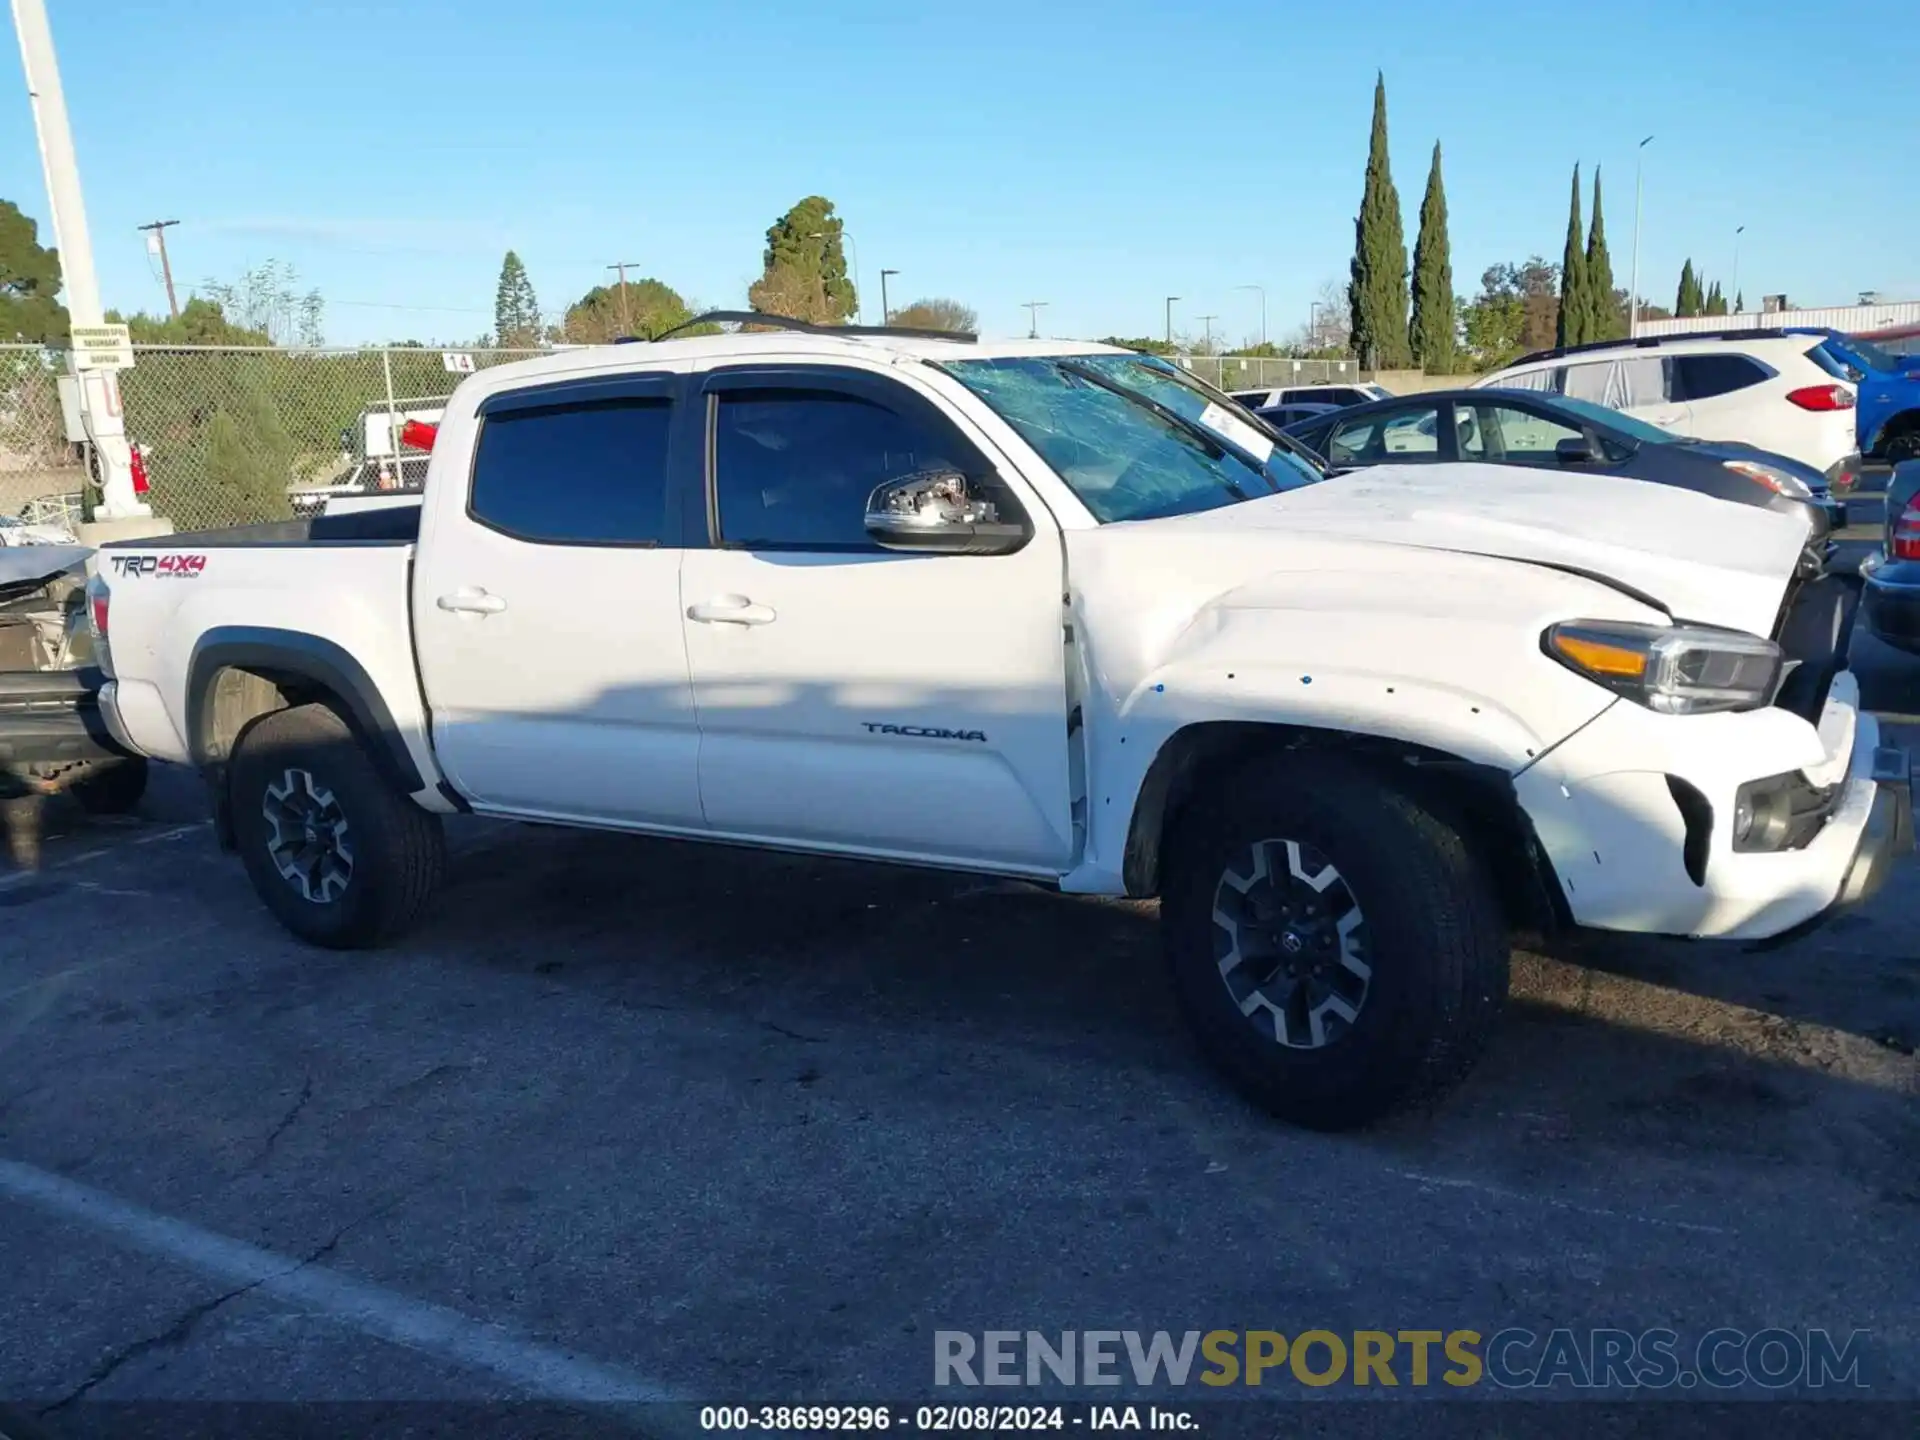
1135	439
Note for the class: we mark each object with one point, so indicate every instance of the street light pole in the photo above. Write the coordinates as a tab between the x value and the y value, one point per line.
1633	287
1170	300
1738	232
99	390
1313	323
1207	320
1033	309
1263	309
886	311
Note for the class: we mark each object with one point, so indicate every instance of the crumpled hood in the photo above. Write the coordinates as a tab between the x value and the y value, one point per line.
1705	560
33	564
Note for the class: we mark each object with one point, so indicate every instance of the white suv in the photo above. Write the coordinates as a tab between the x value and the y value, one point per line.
1762	388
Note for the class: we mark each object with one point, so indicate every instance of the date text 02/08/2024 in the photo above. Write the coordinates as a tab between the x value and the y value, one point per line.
815	1419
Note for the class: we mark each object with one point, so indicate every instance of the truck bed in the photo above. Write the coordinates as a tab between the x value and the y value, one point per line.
386	525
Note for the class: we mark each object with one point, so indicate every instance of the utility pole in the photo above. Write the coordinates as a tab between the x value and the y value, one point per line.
626	320
158	232
1633	287
1170	300
886	311
1207	320
1034	307
99	390
1263	309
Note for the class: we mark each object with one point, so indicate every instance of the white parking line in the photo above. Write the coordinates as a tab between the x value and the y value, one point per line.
68	862
537	1369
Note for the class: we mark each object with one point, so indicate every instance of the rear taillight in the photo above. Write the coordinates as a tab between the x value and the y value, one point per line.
1822	397
99	602
137	463
1906	532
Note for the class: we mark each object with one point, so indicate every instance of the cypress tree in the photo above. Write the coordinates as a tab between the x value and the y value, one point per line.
1574	308
1686	302
1377	291
1430	332
1740	303
1604	321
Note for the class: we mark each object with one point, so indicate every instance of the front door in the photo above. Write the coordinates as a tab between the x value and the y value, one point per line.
548	616
855	697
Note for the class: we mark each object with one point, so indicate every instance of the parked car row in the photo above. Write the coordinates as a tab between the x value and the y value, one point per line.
1064	613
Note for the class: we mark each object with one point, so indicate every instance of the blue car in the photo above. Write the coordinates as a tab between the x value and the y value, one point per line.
1888	401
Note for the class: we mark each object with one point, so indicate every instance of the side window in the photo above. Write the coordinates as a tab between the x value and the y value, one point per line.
1522	435
1531	380
793	468
1587	381
587	473
1701	377
1402	435
1466	425
1639	381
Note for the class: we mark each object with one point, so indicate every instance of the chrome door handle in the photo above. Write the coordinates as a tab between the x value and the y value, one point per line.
731	610
471	602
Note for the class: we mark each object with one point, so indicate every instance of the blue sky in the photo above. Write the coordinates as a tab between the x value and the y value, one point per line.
1098	156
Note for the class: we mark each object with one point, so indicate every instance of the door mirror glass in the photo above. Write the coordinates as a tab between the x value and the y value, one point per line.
1575	451
940	512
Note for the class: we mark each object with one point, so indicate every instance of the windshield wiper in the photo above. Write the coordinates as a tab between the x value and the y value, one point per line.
1212	443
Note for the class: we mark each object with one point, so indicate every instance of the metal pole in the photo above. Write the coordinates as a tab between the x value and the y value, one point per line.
886	310
1633	287
626	319
1170	300
99	390
1208	320
1313	324
158	229
393	428
1263	310
1033	309
1738	232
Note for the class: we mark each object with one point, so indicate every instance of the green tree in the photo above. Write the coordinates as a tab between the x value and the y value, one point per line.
1606	314
647	308
1517	310
937	314
1716	302
804	270
1739	302
1377	291
200	322
1146	345
1688	300
29	282
1430	333
249	458
1575	307
516	313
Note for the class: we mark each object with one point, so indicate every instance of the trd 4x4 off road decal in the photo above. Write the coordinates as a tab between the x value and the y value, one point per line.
923	732
180	567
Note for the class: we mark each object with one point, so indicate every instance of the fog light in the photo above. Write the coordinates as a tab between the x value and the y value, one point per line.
1742	819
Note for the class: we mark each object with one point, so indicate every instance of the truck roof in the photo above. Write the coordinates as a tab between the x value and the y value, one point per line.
638	354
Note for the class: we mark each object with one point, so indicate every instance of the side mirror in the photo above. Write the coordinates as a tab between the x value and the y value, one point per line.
1577	451
938	512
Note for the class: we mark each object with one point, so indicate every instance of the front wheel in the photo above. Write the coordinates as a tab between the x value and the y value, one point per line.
1335	945
339	856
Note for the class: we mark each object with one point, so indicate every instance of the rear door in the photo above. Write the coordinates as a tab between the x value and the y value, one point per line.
547	609
859	698
1716	390
1408	434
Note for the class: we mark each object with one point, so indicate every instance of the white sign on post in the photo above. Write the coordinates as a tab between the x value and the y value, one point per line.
102	347
458	363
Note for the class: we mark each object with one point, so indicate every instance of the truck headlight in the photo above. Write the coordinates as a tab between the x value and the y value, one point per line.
1674	669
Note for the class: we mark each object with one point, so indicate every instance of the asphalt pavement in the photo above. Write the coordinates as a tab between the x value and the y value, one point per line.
633	1122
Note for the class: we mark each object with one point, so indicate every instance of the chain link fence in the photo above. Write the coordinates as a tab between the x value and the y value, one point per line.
230	436
1236	372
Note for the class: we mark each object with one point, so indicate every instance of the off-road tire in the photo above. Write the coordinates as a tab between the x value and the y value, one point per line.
113	789
1436	942
396	850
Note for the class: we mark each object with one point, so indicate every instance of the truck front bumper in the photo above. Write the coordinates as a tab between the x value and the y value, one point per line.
1636	813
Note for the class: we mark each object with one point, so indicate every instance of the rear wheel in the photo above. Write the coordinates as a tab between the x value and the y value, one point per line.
336	852
1336	947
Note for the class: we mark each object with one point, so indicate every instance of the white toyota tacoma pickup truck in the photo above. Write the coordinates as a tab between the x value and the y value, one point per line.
1046	610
